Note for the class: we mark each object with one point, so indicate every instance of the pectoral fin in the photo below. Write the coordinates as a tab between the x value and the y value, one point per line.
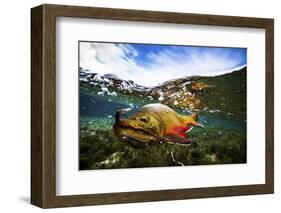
198	124
176	139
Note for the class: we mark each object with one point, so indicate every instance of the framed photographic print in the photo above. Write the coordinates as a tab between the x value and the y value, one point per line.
136	106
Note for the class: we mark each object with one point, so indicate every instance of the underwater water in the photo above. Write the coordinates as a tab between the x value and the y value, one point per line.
221	107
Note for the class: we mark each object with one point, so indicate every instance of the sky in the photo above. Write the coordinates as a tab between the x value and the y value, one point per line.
151	65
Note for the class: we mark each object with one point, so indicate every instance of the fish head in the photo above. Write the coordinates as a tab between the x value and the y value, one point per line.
139	129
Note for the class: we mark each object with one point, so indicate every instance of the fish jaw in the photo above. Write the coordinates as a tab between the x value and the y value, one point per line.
134	135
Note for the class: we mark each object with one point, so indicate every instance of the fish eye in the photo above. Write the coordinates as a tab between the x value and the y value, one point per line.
144	119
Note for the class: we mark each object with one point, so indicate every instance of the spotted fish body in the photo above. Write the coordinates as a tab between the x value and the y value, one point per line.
154	123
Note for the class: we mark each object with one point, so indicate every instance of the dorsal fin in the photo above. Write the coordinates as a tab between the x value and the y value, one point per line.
119	112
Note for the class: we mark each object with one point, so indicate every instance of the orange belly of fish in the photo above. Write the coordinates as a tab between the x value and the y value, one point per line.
179	130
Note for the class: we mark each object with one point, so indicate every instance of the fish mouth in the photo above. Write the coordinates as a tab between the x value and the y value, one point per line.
137	141
135	136
134	142
148	131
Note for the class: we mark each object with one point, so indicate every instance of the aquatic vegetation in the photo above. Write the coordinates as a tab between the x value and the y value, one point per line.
100	149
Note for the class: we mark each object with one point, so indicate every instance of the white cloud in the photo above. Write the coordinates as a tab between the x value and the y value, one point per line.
121	60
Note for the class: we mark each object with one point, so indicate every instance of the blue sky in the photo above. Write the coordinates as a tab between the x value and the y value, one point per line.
150	65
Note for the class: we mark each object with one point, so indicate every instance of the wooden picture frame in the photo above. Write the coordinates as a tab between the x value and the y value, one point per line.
43	105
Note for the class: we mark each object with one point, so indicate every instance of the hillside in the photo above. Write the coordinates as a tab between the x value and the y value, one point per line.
223	96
